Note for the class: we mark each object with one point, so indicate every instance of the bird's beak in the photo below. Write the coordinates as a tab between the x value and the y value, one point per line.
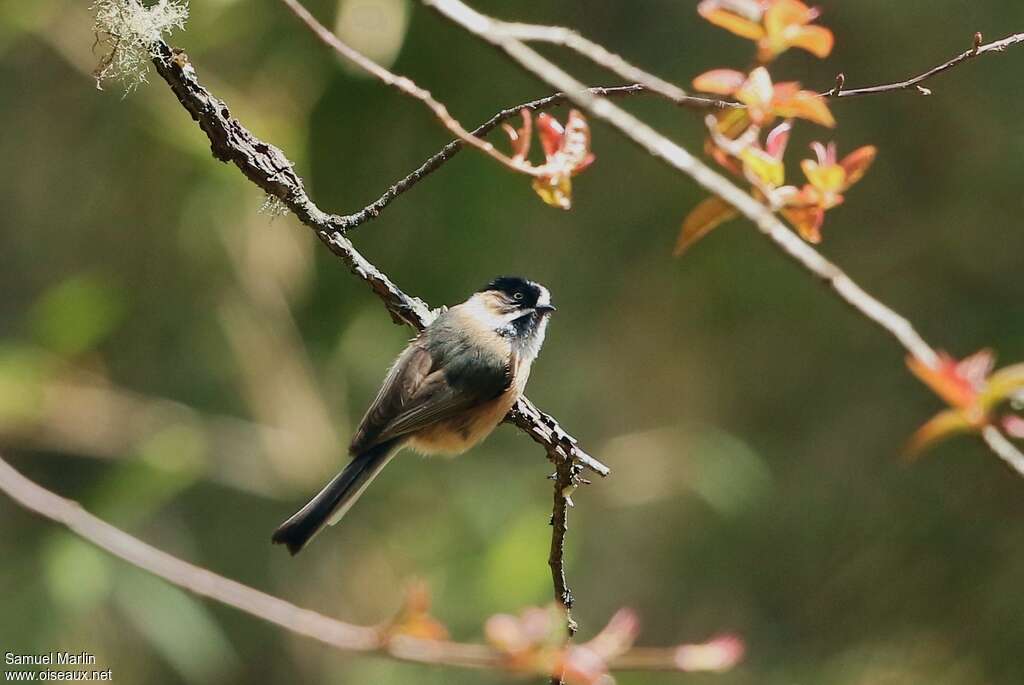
546	308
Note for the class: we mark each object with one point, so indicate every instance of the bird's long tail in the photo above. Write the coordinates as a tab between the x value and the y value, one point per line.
331	503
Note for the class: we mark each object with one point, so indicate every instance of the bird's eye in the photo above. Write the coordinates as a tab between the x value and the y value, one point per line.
517	296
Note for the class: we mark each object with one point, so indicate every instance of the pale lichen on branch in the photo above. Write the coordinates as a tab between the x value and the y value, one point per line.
130	32
268	168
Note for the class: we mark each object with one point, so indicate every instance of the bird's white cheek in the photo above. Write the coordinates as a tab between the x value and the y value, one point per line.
537	340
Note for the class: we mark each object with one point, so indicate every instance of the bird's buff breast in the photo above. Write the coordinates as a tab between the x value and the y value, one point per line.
458	434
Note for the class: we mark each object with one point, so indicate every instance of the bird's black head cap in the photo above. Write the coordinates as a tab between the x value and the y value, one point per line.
517	288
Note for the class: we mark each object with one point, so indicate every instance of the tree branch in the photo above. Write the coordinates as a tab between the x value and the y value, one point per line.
373	210
406	86
504	36
344	636
915	83
268	167
567	479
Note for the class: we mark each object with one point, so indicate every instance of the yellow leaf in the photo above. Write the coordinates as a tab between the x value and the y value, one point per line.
554	190
733	23
941	426
828	178
768	169
732	122
1002	385
704	218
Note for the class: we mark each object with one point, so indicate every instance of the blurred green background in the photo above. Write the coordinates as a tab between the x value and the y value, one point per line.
190	369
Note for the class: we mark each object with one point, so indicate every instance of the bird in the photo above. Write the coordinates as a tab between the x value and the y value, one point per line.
450	387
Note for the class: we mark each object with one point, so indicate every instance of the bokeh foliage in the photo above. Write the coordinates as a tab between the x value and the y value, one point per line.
189	369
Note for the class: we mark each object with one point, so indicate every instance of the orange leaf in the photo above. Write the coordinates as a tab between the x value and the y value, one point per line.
704	218
734	23
785	14
816	40
941	426
720	81
857	163
414	619
804	104
958	383
807	221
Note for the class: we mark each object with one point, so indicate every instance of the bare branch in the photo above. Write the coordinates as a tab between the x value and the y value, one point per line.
267	167
567	479
696	102
408	87
497	33
595	53
1003	448
915	83
330	631
453	148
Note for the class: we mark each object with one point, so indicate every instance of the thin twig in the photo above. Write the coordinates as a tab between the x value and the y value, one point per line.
267	167
567	479
432	164
914	83
596	53
494	32
672	93
408	87
341	635
373	210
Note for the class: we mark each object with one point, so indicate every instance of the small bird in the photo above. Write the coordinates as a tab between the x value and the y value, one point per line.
446	392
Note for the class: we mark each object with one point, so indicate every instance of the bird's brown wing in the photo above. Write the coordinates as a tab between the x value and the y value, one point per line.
417	394
406	376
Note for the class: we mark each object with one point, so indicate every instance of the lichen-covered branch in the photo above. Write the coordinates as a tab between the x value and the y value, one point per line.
269	168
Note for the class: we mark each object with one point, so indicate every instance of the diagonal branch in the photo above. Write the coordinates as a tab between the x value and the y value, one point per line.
646	84
432	164
267	167
504	36
407	87
329	631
